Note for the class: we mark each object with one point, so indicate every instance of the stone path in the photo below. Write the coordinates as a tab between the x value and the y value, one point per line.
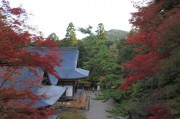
98	108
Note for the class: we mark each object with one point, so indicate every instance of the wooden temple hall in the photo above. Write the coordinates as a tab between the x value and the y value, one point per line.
69	73
53	88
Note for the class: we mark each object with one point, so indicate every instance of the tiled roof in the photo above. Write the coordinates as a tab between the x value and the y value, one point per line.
27	79
68	69
53	93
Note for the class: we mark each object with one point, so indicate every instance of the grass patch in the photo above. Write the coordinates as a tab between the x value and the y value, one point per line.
72	114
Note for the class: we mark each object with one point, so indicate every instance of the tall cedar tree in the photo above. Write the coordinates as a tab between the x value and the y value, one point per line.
101	33
71	35
14	37
158	44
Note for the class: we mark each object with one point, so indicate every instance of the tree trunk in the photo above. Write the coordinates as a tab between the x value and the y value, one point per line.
129	115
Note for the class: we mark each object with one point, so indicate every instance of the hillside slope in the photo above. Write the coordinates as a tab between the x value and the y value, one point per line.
115	34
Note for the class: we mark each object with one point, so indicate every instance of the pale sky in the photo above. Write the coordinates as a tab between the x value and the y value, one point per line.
55	15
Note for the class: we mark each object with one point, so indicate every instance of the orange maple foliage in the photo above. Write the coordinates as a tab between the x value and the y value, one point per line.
14	39
157	37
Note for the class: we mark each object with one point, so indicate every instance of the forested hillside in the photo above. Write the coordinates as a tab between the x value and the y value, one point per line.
115	34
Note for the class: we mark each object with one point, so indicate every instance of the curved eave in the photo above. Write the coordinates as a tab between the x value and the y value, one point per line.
65	74
52	93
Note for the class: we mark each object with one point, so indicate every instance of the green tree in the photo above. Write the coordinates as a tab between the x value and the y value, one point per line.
101	33
94	55
103	59
125	100
55	38
70	36
86	30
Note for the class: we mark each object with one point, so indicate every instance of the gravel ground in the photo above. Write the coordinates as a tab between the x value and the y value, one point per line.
98	108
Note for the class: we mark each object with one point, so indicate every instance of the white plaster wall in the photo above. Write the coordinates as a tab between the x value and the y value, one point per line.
69	90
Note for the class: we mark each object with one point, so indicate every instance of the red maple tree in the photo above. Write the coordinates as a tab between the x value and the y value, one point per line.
157	37
14	39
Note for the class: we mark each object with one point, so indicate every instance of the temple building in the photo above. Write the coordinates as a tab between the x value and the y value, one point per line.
65	87
69	72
